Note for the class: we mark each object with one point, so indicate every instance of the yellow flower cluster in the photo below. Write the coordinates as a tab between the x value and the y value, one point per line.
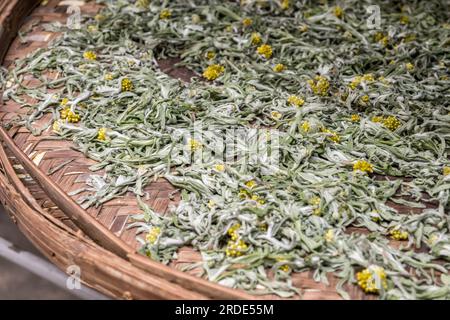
219	167
319	85
165	14
245	194
329	236
377	119
285	268
391	122
233	231
194	145
90	55
315	201
446	171
295	101
279	67
333	136
338	12
372	279
69	115
355	118
210	55
276	115
109	77
305	126
64	113
285	4
381	38
409	66
127	85
399	235
256	38
365	98
265	50
247	22
235	246
362	165
213	72
251	184
153	234
258	199
358	79
101	135
64	102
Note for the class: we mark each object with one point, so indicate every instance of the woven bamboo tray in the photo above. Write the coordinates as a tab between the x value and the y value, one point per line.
96	239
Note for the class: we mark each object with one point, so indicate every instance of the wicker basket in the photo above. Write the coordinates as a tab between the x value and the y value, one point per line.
96	239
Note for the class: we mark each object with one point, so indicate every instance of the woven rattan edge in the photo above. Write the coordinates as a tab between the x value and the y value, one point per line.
12	14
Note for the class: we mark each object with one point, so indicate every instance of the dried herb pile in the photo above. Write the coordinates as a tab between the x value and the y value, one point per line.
348	105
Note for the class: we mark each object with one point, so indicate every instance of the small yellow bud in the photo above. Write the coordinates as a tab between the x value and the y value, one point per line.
265	50
165	14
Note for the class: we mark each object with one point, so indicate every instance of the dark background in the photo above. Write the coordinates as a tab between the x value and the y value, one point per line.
19	283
